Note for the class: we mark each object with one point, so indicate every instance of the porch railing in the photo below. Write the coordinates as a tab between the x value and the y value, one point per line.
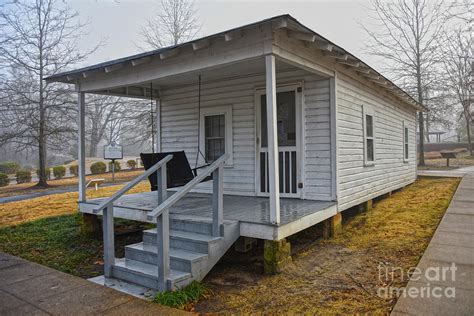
107	209
160	214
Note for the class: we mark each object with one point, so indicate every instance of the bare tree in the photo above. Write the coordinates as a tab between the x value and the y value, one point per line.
38	38
175	22
100	111
405	36
458	63
117	119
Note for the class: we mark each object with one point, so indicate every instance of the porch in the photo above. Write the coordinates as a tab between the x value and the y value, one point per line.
251	212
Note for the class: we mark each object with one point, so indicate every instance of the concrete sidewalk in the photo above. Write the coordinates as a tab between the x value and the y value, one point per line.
451	246
27	288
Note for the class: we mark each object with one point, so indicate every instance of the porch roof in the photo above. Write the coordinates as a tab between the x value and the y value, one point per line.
295	30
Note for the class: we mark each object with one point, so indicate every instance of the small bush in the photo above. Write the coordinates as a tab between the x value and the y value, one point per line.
117	166
9	167
59	172
183	297
4	181
48	173
23	176
98	167
132	164
74	170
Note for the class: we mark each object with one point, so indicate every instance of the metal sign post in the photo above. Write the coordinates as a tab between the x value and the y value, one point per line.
113	152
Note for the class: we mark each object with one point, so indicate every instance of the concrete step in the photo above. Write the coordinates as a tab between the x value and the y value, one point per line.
180	259
191	224
146	274
179	239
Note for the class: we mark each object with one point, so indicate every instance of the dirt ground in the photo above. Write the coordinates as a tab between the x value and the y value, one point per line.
340	275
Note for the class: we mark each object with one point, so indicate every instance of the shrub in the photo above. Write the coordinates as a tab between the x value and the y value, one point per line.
183	297
23	176
4	181
98	167
117	166
59	172
74	170
132	164
9	167
48	173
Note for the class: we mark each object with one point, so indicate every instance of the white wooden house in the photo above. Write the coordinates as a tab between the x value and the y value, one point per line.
304	129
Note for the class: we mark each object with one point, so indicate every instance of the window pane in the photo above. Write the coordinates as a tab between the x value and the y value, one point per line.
286	119
369	126
406	151
370	150
406	134
214	136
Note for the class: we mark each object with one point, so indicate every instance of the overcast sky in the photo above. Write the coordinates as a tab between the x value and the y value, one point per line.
119	22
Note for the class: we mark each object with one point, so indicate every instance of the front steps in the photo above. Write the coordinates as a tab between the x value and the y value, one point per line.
193	253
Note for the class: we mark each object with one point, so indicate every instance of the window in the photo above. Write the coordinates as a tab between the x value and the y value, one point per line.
405	143
369	139
216	133
214	126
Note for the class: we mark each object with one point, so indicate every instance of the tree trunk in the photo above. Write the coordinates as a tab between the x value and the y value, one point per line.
93	144
468	125
421	151
42	180
427	128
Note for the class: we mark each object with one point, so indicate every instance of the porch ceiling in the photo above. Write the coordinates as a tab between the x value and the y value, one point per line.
241	69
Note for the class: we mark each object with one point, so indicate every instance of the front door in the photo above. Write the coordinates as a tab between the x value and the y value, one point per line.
288	140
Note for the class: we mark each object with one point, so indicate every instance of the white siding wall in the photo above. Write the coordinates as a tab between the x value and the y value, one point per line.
358	183
317	140
179	124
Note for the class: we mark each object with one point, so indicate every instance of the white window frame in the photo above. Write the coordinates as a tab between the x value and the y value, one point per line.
406	142
366	110
225	110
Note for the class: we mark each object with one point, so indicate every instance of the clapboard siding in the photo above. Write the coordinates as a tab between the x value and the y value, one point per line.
358	183
317	140
179	127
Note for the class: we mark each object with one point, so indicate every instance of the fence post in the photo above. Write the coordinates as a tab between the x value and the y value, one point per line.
217	202
109	242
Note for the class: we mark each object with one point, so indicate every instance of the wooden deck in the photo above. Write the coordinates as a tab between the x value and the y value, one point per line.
253	213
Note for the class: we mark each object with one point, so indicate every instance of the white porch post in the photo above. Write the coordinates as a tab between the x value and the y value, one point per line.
273	172
81	113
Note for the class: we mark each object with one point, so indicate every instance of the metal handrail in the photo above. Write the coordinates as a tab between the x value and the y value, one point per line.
132	183
185	189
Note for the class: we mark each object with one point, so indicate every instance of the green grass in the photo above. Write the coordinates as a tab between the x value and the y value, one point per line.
55	242
184	297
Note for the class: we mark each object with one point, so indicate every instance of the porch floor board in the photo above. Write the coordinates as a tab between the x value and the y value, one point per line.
248	209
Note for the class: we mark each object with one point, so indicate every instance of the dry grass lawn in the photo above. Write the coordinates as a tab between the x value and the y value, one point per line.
15	213
24	188
340	275
463	160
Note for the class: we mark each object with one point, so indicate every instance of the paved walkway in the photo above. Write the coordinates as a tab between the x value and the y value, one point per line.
452	244
28	288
